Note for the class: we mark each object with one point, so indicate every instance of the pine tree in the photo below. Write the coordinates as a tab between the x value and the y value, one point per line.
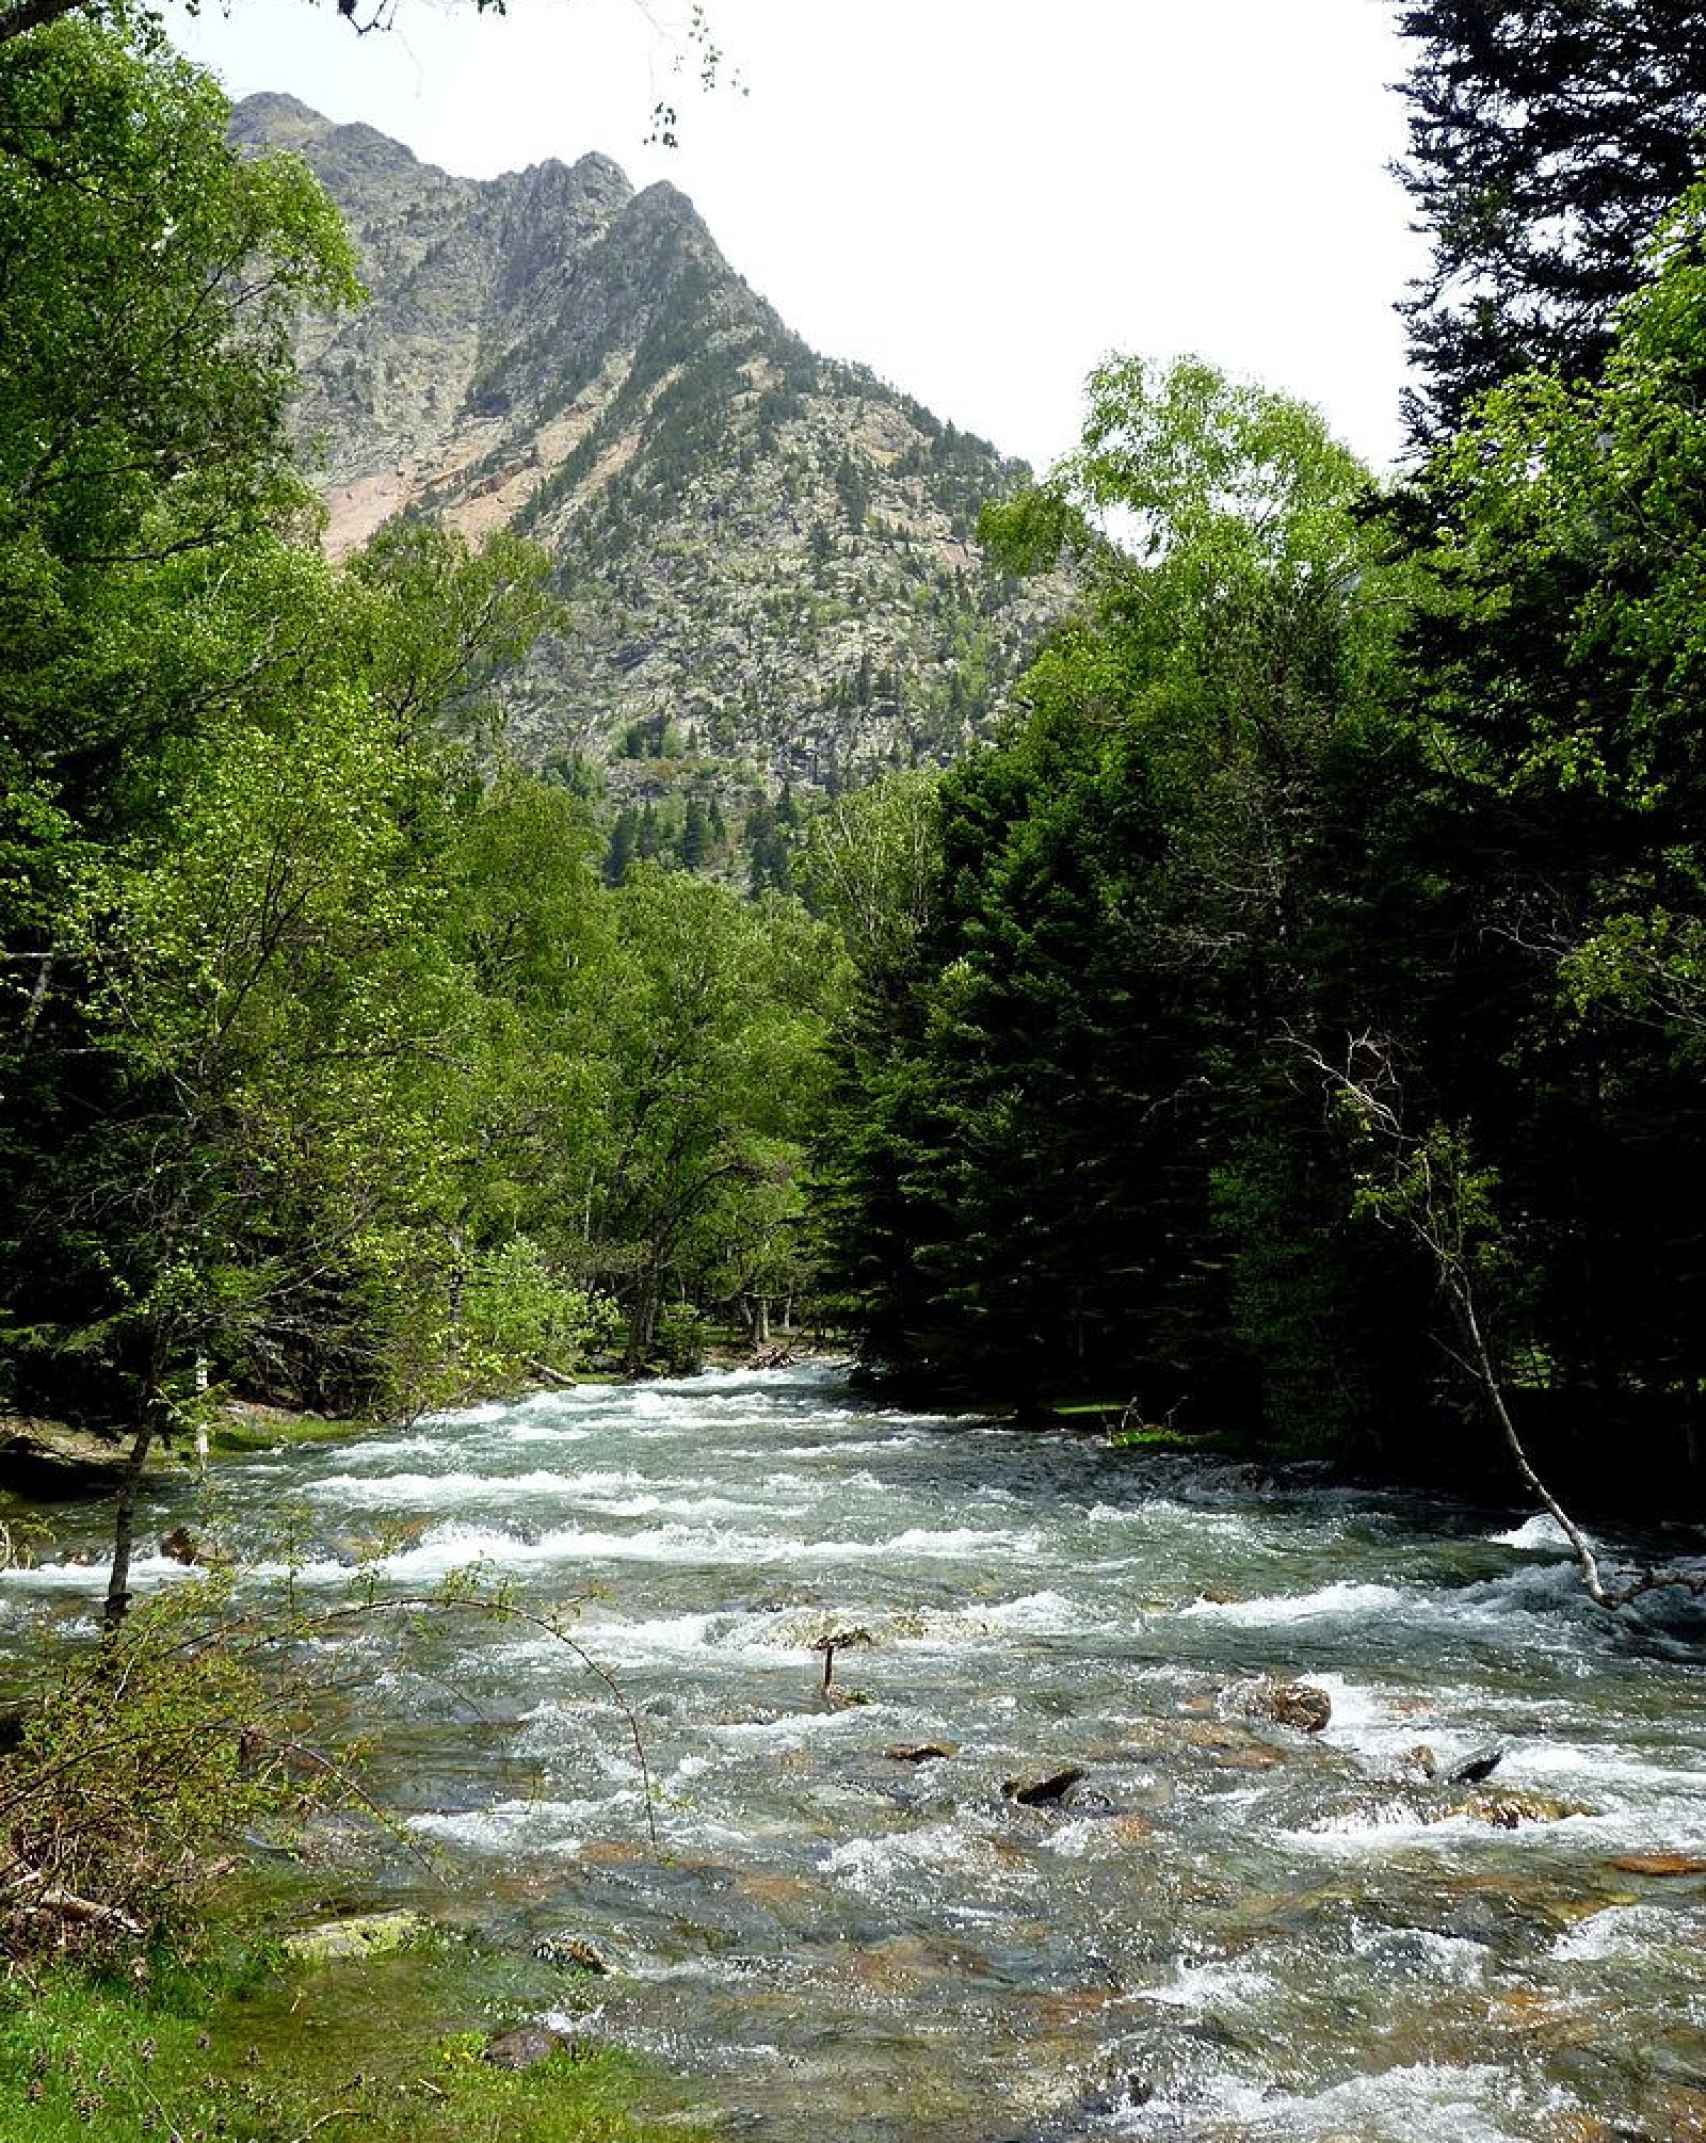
1547	137
648	842
621	850
694	835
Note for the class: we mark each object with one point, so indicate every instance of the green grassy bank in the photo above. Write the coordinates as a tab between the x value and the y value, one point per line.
256	2047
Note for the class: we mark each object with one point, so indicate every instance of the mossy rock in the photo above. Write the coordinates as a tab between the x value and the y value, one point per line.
370	1934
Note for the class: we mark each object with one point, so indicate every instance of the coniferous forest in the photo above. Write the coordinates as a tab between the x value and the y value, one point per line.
1278	1033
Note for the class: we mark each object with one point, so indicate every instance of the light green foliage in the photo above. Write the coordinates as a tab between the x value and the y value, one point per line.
1575	543
519	1311
715	1030
869	869
333	1071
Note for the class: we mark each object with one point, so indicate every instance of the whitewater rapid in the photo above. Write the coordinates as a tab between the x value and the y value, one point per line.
1232	1932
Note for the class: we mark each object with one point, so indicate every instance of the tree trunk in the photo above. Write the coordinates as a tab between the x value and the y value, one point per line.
124	1520
32	15
458	1280
201	1412
761	1322
642	1323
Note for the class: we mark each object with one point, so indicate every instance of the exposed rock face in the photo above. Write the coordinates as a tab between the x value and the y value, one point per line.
770	558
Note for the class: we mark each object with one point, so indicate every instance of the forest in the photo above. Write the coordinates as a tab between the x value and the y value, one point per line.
1318	947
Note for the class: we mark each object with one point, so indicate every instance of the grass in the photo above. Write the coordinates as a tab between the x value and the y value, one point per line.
366	2051
237	1435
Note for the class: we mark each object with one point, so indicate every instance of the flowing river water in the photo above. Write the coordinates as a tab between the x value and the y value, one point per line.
1228	1930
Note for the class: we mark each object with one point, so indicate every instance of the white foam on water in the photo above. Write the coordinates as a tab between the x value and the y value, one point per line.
457	1545
1606	1766
516	1826
374	1450
1343	1597
1194	1520
145	1571
1041	1613
538	1433
851	1447
706	1638
796	1728
1626	1931
1540	1531
1419	1952
1213	1985
1427	2102
873	1865
954	1541
371	1490
1396	1825
471	1417
690	1507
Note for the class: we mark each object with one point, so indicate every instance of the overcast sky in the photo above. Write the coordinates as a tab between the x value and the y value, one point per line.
979	198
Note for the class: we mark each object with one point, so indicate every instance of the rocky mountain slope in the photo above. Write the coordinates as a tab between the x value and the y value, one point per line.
770	558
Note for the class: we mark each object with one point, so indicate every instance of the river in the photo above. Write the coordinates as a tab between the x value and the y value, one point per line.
1230	1932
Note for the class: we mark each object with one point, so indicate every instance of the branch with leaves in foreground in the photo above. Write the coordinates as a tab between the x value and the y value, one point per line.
1427	1185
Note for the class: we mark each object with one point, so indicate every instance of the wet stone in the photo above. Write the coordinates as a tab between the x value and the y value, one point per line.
1659	1864
525	2047
1042	1792
1298	1704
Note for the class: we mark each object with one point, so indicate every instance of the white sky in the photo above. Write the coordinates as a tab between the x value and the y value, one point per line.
978	198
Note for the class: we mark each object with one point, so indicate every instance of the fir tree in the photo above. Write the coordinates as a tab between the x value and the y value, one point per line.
1546	139
621	849
694	835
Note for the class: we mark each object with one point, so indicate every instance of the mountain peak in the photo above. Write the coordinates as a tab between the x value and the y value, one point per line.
770	560
272	116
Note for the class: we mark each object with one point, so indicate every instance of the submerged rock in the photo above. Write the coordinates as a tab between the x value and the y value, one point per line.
924	1752
1663	1864
1504	1811
1298	1704
571	1953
